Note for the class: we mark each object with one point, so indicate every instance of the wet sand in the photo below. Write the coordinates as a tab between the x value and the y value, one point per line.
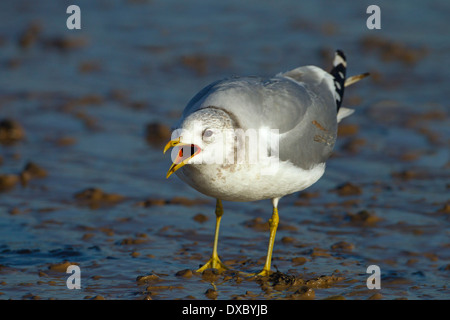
84	115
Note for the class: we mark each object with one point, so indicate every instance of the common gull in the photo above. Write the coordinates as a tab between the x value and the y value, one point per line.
253	138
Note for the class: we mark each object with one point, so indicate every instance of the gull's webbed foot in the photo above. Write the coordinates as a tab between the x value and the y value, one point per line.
213	263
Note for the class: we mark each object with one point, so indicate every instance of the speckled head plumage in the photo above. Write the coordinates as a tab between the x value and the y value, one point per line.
204	137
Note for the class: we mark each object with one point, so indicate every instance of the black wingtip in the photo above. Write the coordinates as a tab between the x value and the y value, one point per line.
341	53
339	73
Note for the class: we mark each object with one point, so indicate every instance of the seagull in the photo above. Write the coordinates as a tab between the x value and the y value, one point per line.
253	138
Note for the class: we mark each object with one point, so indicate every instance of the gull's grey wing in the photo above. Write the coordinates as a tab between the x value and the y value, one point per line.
299	103
276	103
312	140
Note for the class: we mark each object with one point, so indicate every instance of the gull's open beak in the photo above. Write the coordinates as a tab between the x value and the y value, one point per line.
186	151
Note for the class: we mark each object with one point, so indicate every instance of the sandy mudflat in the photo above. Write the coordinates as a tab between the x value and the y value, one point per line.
84	115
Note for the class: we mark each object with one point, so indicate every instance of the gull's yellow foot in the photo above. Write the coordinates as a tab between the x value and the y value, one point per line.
214	263
264	273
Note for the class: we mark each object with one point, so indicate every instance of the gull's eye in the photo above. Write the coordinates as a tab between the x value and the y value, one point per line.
207	134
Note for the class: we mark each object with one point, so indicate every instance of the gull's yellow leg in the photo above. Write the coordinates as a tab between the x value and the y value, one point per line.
273	224
215	262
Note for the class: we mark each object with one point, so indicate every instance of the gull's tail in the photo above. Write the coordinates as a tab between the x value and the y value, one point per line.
340	82
353	79
338	72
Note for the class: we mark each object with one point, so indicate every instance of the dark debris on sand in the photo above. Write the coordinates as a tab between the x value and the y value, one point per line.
95	198
277	285
10	132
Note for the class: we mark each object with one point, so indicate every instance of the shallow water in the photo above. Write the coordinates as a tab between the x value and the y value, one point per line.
83	100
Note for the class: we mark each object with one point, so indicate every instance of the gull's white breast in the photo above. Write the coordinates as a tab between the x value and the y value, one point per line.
249	182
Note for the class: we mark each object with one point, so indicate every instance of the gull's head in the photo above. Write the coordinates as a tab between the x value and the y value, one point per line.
203	137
